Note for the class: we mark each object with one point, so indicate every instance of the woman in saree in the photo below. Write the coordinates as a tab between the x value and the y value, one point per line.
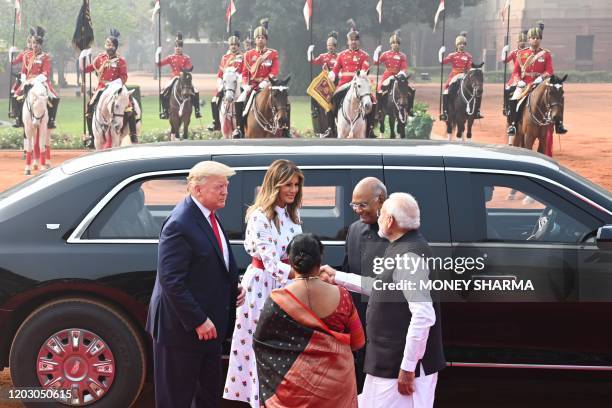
305	336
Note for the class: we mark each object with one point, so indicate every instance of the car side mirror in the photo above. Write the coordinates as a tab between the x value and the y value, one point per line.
604	238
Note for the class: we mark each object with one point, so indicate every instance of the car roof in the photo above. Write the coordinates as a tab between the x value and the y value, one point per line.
335	147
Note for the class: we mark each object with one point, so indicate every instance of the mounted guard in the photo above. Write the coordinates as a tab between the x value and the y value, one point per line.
321	89
535	65
261	67
233	58
351	62
35	63
396	64
461	62
108	66
178	62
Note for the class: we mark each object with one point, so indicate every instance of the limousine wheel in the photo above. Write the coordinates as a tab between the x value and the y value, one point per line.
82	347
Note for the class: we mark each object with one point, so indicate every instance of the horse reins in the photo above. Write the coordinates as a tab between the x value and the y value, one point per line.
182	102
546	116
33	117
268	126
471	100
401	109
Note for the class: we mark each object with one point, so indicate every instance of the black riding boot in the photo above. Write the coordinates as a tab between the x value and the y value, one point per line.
195	102
53	112
559	128
512	115
132	126
370	120
331	121
17	111
89	142
239	131
444	114
165	102
216	125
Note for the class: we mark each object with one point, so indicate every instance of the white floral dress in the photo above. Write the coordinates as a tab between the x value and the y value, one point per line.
263	241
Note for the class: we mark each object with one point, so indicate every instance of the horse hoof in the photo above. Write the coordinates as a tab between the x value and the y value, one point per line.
27	172
510	197
528	200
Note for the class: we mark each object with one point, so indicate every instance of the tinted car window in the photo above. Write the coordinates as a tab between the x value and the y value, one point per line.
138	210
514	208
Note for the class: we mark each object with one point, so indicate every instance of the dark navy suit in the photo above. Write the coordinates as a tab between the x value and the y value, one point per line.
192	284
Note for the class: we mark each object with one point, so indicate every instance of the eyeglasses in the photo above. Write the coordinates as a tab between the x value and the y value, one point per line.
361	206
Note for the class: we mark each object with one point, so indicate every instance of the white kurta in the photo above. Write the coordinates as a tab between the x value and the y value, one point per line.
263	241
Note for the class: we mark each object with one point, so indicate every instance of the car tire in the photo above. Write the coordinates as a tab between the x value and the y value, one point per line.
82	319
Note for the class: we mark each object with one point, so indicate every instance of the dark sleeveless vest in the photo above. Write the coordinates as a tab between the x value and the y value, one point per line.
388	317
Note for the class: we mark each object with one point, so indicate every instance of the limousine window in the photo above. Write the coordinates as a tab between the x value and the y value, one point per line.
139	210
518	209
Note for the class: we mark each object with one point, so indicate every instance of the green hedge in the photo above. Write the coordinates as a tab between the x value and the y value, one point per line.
11	138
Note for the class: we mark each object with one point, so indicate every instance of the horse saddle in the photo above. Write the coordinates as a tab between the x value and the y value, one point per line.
249	104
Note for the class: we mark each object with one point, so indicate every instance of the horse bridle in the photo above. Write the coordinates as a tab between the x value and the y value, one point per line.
225	101
472	100
361	110
546	115
106	125
181	102
33	117
401	108
272	126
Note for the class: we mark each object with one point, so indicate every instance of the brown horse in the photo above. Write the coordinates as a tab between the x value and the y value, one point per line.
180	106
543	106
269	115
466	96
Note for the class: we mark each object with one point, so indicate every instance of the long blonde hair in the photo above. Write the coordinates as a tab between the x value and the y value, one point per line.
279	174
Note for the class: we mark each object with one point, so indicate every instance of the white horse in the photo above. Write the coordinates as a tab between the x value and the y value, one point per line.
35	117
227	111
109	128
351	120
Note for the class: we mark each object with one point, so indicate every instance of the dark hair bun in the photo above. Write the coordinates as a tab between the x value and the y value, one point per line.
305	252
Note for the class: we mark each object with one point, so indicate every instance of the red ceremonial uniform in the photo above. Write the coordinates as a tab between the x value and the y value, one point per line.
394	63
19	60
231	60
327	59
177	63
259	66
461	63
349	62
516	71
533	64
108	69
37	64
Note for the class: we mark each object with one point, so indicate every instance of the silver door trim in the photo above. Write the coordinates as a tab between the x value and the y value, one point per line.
531	366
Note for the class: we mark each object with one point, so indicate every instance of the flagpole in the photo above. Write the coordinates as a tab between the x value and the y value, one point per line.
311	40
10	70
229	22
159	65
379	43
505	64
442	62
84	84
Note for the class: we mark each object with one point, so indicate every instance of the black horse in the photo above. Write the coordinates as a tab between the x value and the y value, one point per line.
397	102
465	99
181	106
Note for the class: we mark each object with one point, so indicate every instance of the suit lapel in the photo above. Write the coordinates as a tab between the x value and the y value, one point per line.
205	225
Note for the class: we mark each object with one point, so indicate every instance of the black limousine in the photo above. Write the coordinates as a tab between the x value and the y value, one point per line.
78	247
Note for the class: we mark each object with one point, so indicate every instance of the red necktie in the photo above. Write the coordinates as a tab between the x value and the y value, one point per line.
215	227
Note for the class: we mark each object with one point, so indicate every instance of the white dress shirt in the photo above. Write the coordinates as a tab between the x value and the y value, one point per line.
206	213
423	314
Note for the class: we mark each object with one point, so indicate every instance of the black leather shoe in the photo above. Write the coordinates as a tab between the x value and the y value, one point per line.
443	117
51	124
198	115
511	130
479	116
163	115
